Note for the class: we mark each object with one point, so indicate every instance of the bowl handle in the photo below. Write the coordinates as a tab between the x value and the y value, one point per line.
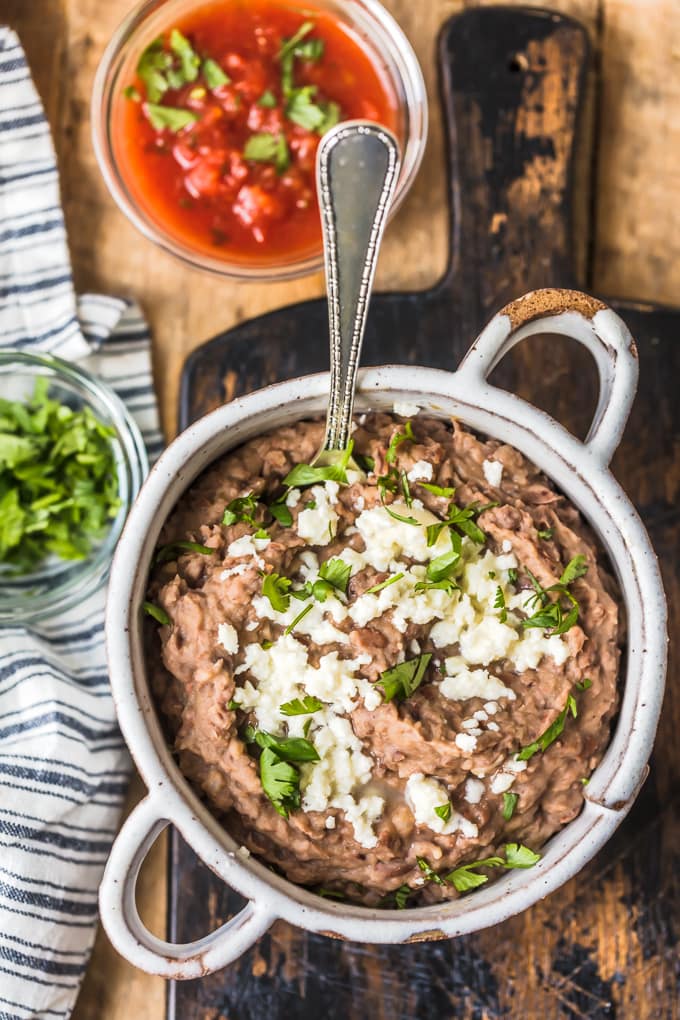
582	318
132	938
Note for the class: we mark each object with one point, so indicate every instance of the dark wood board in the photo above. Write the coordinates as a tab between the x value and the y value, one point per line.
607	944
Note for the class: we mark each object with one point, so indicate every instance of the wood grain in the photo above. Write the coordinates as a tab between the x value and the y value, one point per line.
635	251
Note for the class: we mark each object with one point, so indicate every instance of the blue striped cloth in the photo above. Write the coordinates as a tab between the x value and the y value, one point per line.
63	766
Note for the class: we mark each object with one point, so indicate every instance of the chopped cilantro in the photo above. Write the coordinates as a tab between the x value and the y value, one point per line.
168	552
465	877
552	733
152	67
280	511
429	872
276	589
232	705
279	775
404	518
267	100
300	616
397	439
304	475
130	92
189	60
445	492
509	805
156	612
333	575
442	568
214	75
302	109
268	148
583	685
499	603
58	480
551	615
512	575
545	533
384	584
304	706
444	811
161	117
402	680
241	511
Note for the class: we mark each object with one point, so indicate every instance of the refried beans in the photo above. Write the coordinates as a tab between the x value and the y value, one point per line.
392	684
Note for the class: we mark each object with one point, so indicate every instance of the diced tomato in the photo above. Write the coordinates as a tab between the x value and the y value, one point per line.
185	154
256	209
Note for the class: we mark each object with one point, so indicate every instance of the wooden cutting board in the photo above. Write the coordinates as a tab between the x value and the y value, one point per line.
606	945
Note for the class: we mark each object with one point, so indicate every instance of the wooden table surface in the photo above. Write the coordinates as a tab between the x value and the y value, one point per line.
633	115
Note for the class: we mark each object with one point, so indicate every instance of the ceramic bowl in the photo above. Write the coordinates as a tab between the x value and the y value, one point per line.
579	469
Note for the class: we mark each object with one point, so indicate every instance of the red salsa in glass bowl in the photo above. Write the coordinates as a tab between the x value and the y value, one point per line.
207	118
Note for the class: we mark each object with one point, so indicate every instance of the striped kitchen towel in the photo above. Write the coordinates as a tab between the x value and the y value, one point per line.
63	765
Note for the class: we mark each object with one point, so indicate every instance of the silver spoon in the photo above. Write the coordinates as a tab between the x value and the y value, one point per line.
357	170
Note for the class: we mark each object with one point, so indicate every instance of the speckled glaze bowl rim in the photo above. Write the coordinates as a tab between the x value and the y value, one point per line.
578	469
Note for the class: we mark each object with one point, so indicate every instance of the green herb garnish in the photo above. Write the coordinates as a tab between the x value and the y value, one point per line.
168	552
444	811
499	603
188	58
552	733
551	615
130	92
279	774
304	706
268	148
304	475
438	490
232	705
397	439
58	480
583	685
267	100
276	588
384	584
241	511
157	613
170	117
300	616
214	75
545	533
512	575
509	805
465	877
402	680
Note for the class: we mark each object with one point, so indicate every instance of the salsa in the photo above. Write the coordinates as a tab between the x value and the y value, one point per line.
216	134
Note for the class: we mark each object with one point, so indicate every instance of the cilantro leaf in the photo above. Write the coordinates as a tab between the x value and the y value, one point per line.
519	856
292	749
304	475
189	60
397	439
130	92
268	148
429	872
446	584
267	100
583	685
15	449
575	568
156	612
512	575
168	552
438	490
499	603
280	782
384	584
545	533
302	109
442	568
335	572
444	811
152	66
405	519
509	805
275	588
214	75
304	706
280	511
241	510
232	704
401	896
550	735
402	680
170	117
288	45
300	616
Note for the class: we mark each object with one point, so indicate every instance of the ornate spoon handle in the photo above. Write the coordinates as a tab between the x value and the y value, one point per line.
357	170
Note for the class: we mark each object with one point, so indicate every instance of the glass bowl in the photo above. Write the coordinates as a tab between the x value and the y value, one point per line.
57	584
367	20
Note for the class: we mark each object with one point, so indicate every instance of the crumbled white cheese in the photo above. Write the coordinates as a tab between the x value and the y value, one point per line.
240	568
506	545
330	822
319	622
228	637
480	715
462	683
474	791
491	707
466	741
359	503
243	852
503	779
421	471
318	525
493	726
246	545
387	538
293	497
424	794
404	409
488	641
493	472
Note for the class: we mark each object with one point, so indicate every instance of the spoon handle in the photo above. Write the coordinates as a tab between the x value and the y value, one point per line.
357	171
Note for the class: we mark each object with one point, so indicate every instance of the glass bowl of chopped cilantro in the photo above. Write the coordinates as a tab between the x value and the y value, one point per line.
71	462
207	115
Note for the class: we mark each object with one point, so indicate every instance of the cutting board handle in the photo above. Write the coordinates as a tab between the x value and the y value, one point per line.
512	82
